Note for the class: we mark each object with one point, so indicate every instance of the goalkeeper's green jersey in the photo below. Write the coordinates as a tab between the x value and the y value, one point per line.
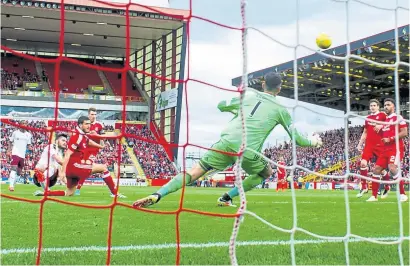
262	113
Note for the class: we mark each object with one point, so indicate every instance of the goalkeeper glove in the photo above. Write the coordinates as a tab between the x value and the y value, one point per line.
315	141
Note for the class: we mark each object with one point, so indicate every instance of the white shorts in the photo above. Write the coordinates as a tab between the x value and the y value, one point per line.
49	172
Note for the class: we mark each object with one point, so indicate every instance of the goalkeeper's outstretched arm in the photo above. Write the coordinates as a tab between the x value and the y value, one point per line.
286	122
232	106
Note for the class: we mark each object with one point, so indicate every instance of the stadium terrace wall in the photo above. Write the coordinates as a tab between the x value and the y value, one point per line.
19	112
71	103
39	107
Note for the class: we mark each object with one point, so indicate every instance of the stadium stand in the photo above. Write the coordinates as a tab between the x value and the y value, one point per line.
15	71
73	78
17	65
109	155
156	164
322	80
152	157
115	82
70	125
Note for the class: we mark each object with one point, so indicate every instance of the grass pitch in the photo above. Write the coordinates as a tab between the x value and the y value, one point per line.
74	235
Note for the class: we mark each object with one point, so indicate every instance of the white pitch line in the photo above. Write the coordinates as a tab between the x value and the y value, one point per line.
211	202
187	245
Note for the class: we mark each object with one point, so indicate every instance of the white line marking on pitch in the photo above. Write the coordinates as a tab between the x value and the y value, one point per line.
187	245
211	202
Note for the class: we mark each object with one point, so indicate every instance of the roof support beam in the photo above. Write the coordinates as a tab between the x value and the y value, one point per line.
372	77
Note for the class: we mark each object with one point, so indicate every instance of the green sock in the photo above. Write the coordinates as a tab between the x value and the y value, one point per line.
249	183
175	184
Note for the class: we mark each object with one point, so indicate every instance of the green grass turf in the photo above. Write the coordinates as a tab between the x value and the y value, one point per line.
320	212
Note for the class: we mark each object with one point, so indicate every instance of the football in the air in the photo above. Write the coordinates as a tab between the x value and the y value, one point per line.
323	41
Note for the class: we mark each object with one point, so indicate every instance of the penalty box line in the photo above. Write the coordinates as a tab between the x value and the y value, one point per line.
188	245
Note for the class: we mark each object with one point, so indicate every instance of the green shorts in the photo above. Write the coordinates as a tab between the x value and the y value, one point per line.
252	163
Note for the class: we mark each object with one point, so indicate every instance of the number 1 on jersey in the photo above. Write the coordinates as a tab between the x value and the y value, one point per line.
255	108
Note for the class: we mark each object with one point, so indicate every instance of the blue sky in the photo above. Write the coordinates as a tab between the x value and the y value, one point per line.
216	53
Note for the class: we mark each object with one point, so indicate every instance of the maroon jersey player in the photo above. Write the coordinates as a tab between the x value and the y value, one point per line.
391	156
77	165
372	140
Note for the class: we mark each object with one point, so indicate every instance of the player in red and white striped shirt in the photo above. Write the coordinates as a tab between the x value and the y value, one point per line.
390	156
372	140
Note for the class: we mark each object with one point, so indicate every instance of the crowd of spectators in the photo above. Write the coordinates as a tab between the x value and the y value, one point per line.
315	159
11	80
156	164
151	156
109	155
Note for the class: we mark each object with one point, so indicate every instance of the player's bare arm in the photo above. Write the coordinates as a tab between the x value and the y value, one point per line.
402	134
61	174
92	143
62	179
100	136
58	159
362	140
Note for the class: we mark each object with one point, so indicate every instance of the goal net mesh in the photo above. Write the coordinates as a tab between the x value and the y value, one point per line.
242	211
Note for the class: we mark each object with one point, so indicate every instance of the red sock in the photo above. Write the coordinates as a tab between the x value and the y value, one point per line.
80	183
364	172
401	187
386	177
110	183
56	193
375	185
277	186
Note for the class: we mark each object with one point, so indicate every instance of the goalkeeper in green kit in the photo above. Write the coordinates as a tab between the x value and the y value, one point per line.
262	113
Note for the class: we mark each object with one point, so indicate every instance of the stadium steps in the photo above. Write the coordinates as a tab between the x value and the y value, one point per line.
105	82
133	157
39	70
338	166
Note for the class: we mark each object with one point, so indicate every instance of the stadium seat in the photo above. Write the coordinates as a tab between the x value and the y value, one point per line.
115	82
73	78
15	71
